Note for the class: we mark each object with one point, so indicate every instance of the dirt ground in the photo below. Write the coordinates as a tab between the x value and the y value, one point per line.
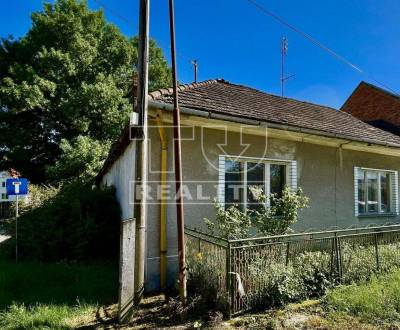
156	313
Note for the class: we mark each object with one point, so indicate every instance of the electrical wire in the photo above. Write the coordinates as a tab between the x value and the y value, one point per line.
319	44
130	23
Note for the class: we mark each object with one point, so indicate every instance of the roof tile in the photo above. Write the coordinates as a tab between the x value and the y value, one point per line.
221	97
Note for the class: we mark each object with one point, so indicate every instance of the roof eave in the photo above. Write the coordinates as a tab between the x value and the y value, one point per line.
249	121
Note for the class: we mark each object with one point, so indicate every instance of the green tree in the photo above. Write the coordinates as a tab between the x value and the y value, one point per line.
80	159
69	76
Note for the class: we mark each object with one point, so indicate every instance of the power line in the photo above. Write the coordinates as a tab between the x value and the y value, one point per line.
319	44
115	13
130	23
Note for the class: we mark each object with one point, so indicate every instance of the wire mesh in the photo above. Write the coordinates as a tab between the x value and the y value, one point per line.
344	256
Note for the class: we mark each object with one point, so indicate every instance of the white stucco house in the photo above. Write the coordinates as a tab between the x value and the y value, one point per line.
235	136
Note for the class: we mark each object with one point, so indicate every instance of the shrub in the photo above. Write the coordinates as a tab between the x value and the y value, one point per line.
203	281
314	270
277	285
231	223
358	263
282	212
275	219
38	195
389	257
80	222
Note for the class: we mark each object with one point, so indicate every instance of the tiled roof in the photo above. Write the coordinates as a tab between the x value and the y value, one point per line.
221	97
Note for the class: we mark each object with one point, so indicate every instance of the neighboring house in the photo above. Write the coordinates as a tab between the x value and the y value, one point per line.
4	198
235	136
375	106
4	203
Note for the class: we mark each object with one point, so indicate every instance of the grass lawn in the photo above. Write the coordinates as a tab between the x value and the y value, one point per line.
371	305
65	296
54	296
376	301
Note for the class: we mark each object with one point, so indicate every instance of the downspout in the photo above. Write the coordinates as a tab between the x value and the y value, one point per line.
163	204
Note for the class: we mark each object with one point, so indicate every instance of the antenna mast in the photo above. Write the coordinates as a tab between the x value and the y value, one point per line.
194	62
284	50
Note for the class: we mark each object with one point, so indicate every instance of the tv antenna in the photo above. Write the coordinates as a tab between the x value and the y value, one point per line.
195	68
284	51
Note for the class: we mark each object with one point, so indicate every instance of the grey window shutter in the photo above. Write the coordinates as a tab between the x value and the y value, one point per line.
221	179
293	175
356	191
395	192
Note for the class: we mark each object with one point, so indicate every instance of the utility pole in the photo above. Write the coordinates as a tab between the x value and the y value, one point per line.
178	162
16	229
141	150
194	62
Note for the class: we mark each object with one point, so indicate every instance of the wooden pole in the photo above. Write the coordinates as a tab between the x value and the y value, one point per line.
141	150
16	229
178	162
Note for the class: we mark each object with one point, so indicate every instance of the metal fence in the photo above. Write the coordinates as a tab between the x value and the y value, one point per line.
347	255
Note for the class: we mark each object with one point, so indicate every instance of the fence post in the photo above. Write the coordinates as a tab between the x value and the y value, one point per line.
378	266
199	245
228	279
287	254
338	257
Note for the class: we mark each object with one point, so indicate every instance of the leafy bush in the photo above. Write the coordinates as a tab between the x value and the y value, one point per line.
231	223
203	281
275	219
389	257
282	212
314	270
278	285
358	263
38	195
80	222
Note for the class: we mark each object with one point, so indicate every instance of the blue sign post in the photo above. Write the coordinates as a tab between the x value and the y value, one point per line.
16	187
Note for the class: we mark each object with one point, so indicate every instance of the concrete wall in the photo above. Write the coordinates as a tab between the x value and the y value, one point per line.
324	173
120	175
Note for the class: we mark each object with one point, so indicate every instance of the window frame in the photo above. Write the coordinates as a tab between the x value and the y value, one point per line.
393	186
267	180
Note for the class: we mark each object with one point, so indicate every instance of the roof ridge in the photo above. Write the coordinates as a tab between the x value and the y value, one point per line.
281	97
380	89
166	91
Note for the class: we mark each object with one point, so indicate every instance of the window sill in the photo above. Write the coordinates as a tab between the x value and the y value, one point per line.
377	215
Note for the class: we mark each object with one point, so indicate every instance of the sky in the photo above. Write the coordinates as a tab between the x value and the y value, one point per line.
233	40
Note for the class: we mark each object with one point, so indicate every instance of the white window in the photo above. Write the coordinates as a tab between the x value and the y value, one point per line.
376	191
238	175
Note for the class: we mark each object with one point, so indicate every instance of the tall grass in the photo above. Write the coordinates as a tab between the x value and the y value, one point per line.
42	316
32	283
49	296
375	300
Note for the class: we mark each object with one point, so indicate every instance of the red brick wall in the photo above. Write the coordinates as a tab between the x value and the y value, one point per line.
369	103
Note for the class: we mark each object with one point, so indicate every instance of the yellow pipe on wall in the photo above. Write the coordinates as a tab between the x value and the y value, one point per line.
163	204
